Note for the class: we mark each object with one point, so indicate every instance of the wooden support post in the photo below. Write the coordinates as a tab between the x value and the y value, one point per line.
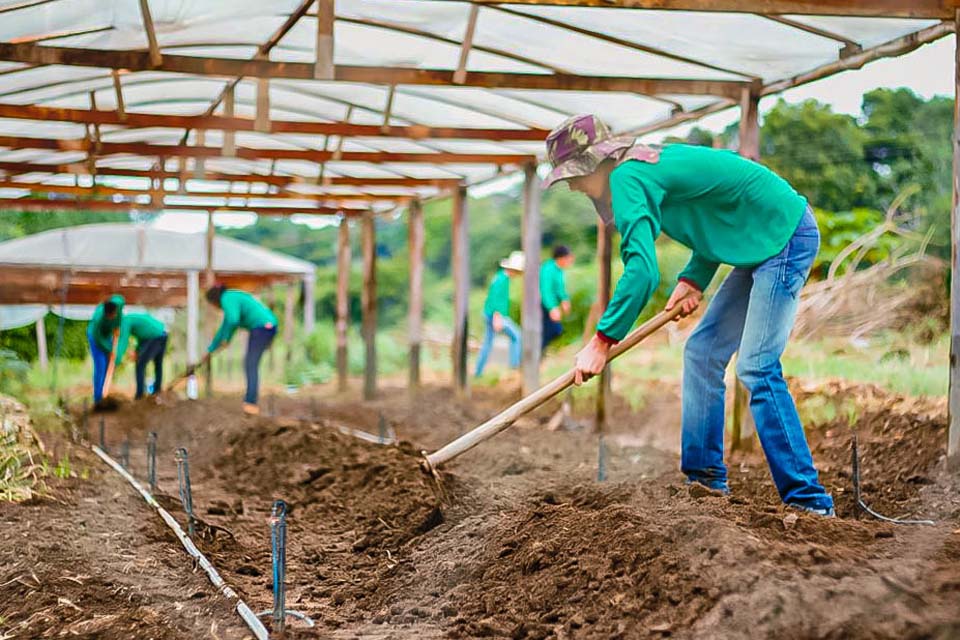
199	163
208	281
953	440
156	59
323	68
229	137
343	301
369	302
118	91
261	121
461	289
309	303
387	109
604	259
460	75
193	317
532	316
42	357
742	428
415	244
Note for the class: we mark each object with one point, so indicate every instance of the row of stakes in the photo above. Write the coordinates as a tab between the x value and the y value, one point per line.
278	519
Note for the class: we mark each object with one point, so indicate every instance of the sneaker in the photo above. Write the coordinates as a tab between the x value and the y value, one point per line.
825	512
251	409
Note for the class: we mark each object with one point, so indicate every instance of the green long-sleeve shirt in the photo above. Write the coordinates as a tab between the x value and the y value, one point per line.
240	309
139	325
498	295
553	290
725	208
100	329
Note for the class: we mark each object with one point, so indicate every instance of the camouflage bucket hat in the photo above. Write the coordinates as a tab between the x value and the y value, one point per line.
578	145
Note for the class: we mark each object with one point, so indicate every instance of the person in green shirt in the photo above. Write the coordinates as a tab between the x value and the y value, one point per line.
242	310
553	293
104	322
496	312
727	210
151	337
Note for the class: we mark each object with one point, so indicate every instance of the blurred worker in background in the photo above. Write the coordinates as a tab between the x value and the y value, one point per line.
553	293
242	310
496	312
151	337
100	334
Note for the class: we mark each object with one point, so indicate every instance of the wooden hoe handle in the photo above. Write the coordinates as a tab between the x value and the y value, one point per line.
501	421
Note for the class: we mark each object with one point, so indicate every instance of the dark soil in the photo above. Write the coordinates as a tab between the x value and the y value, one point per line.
522	542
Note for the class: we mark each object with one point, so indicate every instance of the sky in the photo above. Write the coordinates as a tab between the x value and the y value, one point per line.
928	71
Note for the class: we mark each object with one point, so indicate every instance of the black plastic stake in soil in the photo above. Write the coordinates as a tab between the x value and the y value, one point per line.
278	544
601	459
84	432
382	426
152	460
125	453
103	434
183	478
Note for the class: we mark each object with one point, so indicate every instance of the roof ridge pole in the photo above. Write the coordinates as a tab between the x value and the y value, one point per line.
387	110
156	58
323	68
532	311
953	439
460	75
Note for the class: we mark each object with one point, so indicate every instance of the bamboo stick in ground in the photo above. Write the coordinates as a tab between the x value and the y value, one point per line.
503	420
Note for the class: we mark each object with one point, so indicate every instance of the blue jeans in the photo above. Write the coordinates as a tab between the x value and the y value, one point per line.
513	332
752	313
551	328
148	351
260	339
100	362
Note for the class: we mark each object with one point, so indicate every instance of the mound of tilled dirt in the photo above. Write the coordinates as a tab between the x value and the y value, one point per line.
378	492
608	562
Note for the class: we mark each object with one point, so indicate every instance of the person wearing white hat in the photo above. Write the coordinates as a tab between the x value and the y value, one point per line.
496	311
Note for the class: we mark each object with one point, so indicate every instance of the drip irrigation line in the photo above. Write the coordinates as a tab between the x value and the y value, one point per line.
855	463
244	611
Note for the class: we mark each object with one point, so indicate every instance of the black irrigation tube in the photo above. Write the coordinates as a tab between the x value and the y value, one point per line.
245	612
855	463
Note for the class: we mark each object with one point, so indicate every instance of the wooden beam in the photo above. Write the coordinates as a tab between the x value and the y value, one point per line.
209	279
460	269
460	75
156	58
605	268
19	168
229	136
941	9
193	316
343	302
118	93
415	246
532	314
228	123
891	49
750	125
249	153
269	69
368	296
289	307
262	121
850	47
323	66
40	204
953	439
309	303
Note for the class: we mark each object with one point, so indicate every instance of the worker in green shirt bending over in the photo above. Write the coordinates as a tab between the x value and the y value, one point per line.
240	309
727	210
151	337
104	323
553	293
496	312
